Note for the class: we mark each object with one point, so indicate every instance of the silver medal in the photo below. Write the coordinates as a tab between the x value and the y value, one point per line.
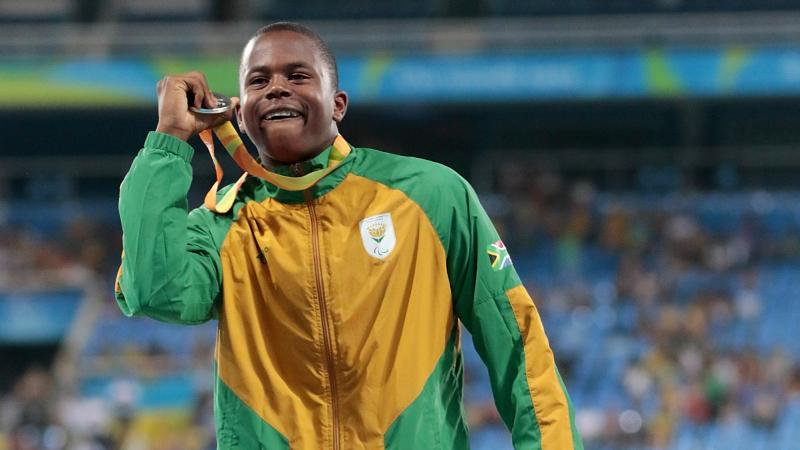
223	104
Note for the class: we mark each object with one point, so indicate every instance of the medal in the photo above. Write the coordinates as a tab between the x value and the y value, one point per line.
223	104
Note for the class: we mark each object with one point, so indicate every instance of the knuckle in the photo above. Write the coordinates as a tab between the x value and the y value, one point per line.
168	80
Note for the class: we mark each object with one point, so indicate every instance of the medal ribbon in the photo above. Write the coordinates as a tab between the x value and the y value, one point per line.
233	144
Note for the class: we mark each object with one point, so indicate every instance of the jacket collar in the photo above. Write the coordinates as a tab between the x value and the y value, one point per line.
324	186
303	167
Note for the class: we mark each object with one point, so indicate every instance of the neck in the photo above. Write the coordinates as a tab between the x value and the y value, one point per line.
271	163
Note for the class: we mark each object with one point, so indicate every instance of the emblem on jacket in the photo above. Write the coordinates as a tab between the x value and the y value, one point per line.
377	234
498	255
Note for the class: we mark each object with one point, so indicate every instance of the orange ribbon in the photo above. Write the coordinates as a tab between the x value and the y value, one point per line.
233	144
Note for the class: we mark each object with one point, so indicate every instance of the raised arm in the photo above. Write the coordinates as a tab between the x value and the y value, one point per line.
170	267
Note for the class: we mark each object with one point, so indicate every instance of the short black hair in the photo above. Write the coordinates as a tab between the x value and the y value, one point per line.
322	46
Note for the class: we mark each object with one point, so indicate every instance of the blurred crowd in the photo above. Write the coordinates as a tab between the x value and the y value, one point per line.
56	254
656	319
41	413
676	301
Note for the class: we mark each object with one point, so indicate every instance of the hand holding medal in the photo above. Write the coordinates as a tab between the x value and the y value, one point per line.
187	106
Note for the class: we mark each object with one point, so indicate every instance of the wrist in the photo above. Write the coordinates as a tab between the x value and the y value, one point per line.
174	132
170	144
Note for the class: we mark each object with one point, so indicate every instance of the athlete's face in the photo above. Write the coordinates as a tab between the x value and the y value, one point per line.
289	106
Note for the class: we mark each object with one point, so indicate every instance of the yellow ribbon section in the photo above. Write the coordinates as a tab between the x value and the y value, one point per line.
233	144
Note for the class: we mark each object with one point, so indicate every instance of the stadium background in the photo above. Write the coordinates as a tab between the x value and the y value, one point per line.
639	158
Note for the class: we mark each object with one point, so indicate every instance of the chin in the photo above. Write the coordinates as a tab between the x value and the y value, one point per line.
282	145
286	152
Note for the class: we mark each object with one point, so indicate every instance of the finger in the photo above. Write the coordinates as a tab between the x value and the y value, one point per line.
208	98
211	101
197	88
172	91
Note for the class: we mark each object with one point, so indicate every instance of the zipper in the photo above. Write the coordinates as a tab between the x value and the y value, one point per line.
323	312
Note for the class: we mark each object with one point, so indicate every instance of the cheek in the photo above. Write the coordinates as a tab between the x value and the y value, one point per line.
325	109
249	112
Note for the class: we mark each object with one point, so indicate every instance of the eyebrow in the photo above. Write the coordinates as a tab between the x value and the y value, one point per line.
289	66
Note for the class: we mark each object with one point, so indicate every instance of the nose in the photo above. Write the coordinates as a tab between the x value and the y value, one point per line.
278	88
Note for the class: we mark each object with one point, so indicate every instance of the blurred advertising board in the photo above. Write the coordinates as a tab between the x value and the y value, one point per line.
529	76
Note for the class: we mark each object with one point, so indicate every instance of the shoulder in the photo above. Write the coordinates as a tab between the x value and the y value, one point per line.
444	196
415	176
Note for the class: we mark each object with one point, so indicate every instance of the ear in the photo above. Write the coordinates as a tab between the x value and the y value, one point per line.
237	108
339	105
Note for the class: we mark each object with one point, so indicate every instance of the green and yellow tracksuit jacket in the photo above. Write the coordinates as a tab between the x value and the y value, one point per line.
338	307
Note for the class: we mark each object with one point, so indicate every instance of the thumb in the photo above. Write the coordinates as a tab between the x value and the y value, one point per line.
233	112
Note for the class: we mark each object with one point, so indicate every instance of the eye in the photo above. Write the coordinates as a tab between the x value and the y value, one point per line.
296	76
257	81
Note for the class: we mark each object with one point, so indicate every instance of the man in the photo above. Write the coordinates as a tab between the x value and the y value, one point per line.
338	305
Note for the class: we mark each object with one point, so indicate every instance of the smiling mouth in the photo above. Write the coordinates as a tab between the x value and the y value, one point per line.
281	114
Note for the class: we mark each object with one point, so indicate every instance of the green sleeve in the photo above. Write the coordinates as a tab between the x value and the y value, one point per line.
528	391
170	265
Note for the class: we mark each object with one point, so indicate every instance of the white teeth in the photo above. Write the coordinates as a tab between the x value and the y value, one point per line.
281	114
